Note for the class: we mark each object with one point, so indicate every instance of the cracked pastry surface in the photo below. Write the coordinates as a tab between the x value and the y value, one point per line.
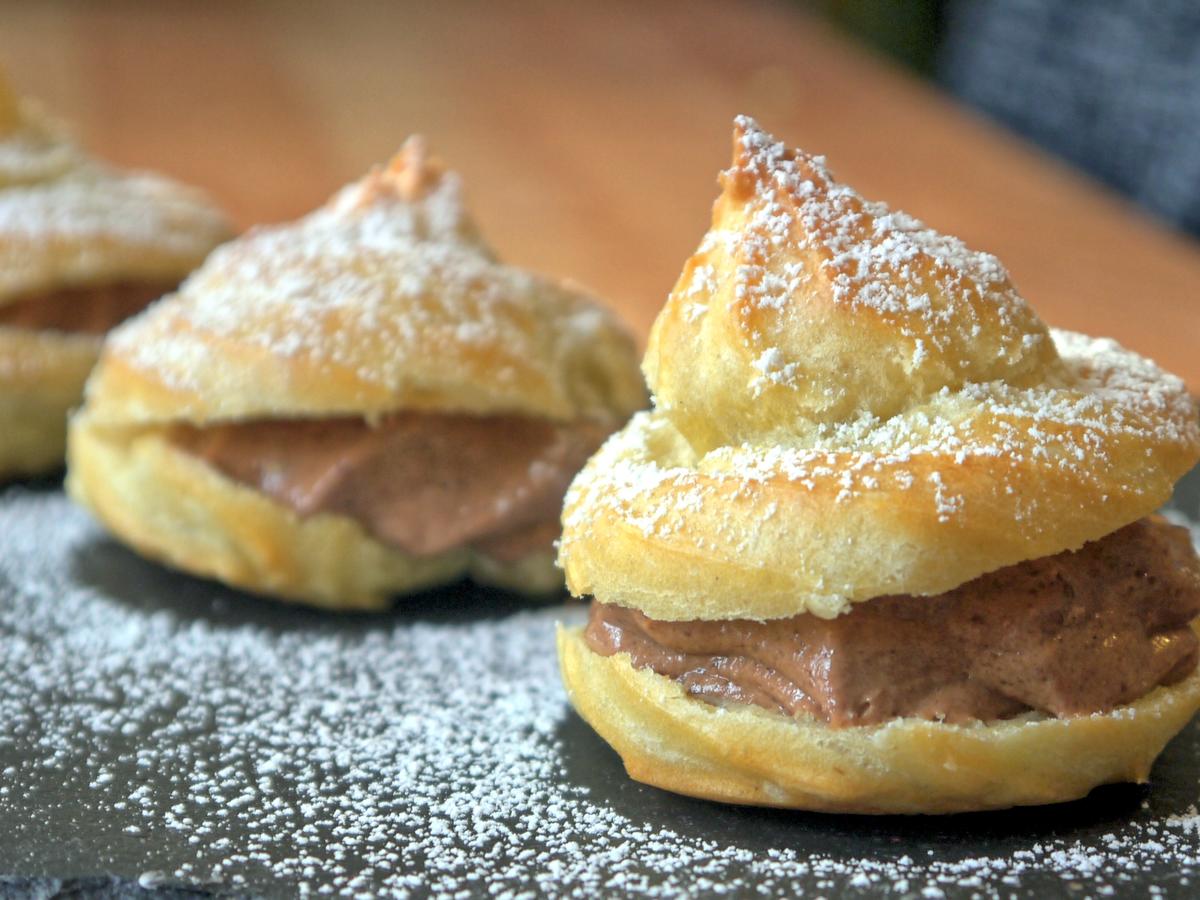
82	247
859	420
361	403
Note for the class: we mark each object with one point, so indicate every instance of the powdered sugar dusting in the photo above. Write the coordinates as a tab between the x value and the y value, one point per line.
65	219
207	738
932	289
1078	426
827	340
389	282
91	204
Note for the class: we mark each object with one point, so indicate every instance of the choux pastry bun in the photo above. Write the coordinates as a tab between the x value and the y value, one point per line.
885	542
356	405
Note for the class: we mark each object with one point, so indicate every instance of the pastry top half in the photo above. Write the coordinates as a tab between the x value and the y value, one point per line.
384	299
850	405
67	221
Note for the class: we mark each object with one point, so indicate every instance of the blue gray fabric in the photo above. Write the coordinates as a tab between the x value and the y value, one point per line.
1111	85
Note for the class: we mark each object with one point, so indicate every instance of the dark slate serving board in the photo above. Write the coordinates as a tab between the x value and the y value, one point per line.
162	736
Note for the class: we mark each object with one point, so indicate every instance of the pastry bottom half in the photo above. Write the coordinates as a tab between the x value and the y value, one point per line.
745	754
41	379
174	508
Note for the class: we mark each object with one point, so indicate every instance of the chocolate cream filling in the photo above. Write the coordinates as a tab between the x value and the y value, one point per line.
1075	633
421	482
82	310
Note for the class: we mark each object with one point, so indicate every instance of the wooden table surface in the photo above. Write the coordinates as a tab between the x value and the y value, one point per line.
589	133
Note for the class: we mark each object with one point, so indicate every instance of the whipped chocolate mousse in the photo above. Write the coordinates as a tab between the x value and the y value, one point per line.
1075	633
82	310
421	482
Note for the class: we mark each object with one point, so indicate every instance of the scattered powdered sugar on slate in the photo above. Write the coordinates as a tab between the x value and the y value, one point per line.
174	731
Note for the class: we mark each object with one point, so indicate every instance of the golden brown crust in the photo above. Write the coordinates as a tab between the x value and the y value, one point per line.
41	379
850	405
383	299
806	305
742	754
174	508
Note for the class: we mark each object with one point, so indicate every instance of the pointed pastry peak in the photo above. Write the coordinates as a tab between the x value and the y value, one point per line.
869	255
418	194
825	305
36	146
412	171
411	176
759	159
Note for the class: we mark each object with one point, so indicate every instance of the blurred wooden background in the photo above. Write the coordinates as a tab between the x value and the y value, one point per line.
589	133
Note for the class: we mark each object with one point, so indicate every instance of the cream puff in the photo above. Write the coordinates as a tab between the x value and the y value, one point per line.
82	247
356	405
885	543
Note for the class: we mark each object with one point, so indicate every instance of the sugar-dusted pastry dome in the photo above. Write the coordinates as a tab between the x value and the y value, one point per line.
849	405
385	298
67	220
361	403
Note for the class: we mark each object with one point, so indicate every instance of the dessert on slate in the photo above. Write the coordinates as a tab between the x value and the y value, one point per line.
82	246
358	404
885	543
